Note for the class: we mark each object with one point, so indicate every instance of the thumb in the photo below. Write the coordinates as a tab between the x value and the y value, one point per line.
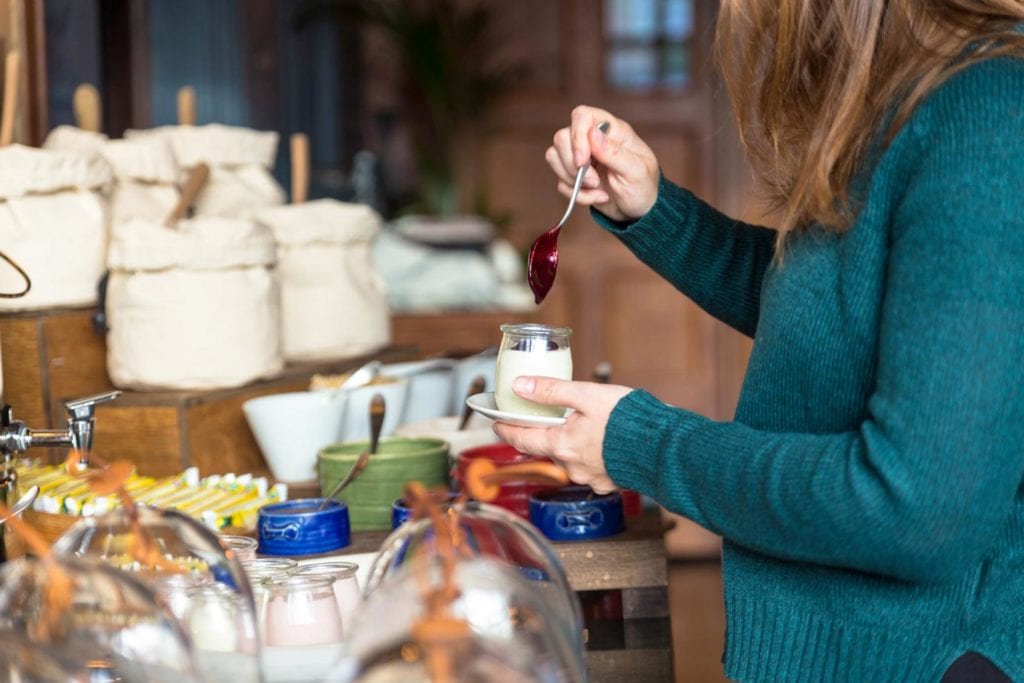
547	390
609	151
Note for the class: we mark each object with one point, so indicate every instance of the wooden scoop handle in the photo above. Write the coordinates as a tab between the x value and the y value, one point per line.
484	478
88	110
187	106
193	186
12	70
300	167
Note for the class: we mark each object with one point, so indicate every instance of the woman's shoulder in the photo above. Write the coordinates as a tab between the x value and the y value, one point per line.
979	106
991	85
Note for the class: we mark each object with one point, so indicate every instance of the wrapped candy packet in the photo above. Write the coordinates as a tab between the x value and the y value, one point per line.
219	501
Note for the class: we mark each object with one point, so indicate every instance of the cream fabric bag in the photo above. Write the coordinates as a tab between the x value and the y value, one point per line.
333	301
53	222
145	172
240	183
194	307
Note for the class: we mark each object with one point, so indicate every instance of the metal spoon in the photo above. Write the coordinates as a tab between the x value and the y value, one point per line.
22	504
543	261
376	422
360	377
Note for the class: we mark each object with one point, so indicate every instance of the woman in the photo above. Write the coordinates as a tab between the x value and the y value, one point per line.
870	489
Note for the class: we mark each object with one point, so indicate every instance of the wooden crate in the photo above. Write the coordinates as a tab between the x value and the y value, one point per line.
164	432
54	355
48	357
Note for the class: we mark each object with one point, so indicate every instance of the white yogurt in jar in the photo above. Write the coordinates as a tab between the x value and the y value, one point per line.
536	360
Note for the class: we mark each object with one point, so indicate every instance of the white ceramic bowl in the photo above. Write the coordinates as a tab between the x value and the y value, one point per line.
478	432
430	387
356	424
291	429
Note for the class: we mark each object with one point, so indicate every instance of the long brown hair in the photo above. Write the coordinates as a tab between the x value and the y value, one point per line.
812	81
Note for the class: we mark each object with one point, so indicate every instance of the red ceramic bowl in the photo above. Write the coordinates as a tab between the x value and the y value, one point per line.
512	497
631	503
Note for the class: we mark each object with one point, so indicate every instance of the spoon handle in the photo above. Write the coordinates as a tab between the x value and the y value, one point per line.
376	422
354	471
377	408
193	186
475	387
603	127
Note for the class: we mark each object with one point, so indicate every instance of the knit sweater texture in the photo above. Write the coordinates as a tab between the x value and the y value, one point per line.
870	489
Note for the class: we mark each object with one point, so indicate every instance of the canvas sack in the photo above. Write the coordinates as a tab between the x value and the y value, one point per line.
53	222
240	159
333	301
195	307
145	172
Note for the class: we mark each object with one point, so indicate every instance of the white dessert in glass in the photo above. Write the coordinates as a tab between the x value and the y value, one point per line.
531	349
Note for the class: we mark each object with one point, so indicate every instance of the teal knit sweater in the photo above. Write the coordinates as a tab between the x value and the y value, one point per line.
870	488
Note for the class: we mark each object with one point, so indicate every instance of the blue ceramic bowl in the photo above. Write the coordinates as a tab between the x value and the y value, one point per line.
575	513
402	513
296	527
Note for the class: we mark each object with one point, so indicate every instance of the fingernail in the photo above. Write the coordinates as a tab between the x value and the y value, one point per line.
523	385
578	158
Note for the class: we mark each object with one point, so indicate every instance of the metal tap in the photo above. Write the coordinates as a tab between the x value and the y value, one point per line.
16	437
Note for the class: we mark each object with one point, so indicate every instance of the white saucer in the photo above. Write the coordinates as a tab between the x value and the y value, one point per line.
484	404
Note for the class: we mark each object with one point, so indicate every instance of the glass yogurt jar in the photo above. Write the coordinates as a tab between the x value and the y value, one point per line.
531	349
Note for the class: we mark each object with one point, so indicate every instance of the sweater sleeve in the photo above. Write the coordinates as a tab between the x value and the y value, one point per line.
715	260
921	488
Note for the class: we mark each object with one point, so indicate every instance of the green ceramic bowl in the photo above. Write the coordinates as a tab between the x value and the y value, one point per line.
398	461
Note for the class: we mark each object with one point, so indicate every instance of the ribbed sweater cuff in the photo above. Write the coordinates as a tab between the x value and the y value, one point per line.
637	419
647	233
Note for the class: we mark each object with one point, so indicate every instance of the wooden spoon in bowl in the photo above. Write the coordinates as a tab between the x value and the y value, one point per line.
87	107
193	186
12	69
376	422
475	387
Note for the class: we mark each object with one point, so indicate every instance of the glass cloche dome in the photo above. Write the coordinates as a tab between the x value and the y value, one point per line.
176	556
86	621
498	627
492	532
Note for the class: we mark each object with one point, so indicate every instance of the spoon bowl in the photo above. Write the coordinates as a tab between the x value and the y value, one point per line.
543	259
362	376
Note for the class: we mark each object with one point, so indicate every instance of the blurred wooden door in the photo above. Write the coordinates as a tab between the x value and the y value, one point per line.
580	52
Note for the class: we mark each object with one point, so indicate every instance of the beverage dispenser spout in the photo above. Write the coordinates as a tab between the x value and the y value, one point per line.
16	437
